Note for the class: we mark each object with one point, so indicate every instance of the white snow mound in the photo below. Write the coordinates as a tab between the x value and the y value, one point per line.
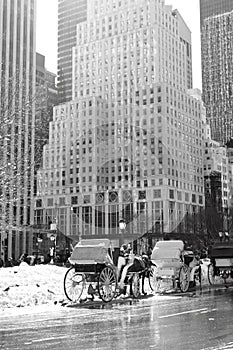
26	286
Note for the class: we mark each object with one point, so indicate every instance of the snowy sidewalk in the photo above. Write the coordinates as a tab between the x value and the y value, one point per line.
24	285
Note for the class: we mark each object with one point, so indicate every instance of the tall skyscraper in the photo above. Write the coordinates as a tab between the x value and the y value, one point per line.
46	83
129	144
46	99
209	8
17	118
217	66
70	13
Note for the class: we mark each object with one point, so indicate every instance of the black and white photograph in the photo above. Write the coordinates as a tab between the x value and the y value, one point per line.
116	174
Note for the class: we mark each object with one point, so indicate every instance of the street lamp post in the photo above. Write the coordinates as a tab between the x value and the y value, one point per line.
39	240
122	227
53	238
220	234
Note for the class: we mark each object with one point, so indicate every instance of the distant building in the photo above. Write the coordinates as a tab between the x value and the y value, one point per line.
46	99
230	167
46	82
218	184
50	79
216	161
130	143
40	69
209	8
70	13
17	112
217	66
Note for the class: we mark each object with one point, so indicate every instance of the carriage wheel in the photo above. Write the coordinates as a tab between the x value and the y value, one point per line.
135	285
74	283
107	284
211	274
184	278
154	281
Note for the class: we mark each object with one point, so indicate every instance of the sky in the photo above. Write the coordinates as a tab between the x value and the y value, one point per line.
47	32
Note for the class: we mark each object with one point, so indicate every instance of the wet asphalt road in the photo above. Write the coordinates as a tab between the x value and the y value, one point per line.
190	322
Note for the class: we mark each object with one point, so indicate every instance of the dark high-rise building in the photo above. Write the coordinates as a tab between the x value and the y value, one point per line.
217	66
46	99
210	8
17	124
70	13
46	81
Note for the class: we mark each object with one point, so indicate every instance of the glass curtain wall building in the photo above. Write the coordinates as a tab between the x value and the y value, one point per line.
210	8
70	13
217	66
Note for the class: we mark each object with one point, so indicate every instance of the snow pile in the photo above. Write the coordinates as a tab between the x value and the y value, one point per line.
24	285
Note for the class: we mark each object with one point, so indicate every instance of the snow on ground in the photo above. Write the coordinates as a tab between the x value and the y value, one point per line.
27	286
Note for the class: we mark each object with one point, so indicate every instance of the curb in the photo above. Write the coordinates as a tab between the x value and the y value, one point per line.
99	304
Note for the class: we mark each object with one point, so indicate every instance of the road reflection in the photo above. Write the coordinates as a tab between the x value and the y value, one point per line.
188	322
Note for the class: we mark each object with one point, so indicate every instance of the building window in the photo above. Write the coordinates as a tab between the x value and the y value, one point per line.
193	198
171	194
39	203
74	200
200	200
50	202
157	193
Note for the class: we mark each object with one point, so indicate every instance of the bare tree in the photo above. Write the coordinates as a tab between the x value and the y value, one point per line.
23	132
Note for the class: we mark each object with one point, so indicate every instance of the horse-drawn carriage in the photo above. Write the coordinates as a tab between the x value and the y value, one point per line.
221	262
172	263
93	270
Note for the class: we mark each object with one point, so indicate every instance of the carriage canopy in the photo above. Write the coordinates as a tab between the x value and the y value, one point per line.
90	251
167	250
222	250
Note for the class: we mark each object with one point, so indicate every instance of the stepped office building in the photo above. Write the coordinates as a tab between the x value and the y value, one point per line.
129	144
217	66
17	93
70	13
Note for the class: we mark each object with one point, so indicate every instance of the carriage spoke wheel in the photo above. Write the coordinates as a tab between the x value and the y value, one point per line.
135	285
154	281
211	274
107	284
74	283
184	278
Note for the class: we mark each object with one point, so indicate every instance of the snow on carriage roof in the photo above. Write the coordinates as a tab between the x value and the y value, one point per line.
172	244
95	242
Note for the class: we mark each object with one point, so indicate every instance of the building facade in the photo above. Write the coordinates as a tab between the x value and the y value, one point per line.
217	67
216	161
46	81
209	8
46	99
218	185
129	144
17	113
70	13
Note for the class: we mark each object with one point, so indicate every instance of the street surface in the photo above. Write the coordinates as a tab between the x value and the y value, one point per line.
191	322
